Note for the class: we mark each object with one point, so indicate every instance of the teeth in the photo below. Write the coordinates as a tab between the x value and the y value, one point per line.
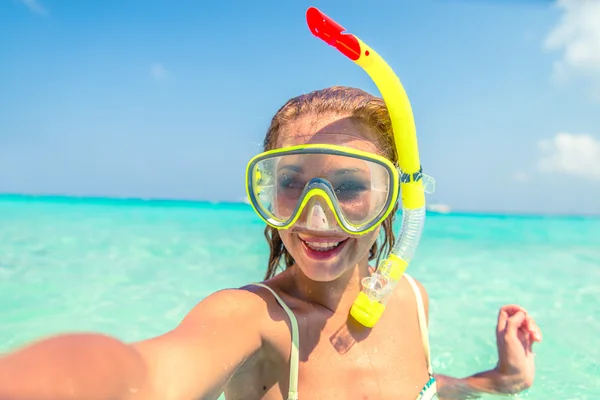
322	246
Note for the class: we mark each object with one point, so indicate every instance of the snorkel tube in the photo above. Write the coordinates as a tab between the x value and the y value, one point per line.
371	301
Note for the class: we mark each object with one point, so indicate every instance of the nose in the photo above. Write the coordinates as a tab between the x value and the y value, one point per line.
318	216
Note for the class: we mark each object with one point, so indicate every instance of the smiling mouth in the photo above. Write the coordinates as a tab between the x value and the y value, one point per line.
323	248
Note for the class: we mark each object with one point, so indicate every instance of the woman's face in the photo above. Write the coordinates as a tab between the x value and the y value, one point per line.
325	255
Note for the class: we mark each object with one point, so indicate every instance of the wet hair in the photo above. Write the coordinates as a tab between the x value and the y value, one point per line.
345	102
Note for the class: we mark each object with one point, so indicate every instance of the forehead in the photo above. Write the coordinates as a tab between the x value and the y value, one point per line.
328	129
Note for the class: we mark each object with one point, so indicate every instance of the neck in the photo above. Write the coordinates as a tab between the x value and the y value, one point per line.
337	296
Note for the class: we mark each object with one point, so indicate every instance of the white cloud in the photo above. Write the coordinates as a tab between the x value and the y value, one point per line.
577	38
571	154
521	176
34	6
159	72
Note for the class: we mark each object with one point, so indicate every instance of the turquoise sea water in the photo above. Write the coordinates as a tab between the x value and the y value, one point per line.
133	268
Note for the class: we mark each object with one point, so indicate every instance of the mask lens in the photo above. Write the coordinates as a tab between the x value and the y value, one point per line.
360	187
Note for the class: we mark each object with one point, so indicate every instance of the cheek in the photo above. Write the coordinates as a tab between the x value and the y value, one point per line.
286	237
366	241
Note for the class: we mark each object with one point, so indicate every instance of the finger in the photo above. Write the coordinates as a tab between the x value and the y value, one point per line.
531	340
514	323
512	309
534	330
526	336
536	334
502	319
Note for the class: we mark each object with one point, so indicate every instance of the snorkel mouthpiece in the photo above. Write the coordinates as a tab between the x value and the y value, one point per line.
370	303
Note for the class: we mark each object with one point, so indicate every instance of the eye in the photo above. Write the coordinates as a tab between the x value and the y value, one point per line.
350	190
290	182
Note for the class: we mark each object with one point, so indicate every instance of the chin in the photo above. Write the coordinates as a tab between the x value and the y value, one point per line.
322	272
325	263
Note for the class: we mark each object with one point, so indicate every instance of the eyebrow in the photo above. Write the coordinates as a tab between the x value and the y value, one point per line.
338	172
345	171
295	168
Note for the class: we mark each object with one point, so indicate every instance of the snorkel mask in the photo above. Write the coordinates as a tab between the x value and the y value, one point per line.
323	188
327	187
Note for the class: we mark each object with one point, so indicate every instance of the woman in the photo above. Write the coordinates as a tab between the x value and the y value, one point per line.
291	336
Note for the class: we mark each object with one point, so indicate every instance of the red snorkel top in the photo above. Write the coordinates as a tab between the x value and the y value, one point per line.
332	33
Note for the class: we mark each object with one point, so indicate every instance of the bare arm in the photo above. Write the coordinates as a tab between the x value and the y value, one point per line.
496	380
70	367
490	381
194	360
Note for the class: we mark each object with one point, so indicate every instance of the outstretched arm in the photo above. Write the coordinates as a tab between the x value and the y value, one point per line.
194	360
516	332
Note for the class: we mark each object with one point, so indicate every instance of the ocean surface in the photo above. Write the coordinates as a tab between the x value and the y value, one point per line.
133	268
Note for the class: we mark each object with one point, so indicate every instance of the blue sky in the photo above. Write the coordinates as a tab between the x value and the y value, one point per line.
169	99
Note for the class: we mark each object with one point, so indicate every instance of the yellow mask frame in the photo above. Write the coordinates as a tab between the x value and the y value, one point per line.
321	188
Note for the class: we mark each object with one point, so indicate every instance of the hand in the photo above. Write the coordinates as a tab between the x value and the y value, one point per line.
515	334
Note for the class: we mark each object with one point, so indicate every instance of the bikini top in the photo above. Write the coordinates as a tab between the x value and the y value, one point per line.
429	391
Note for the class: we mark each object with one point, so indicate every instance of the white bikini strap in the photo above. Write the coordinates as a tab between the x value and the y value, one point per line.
422	320
294	356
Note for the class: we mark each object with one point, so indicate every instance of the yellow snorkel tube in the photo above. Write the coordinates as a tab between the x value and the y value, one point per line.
371	302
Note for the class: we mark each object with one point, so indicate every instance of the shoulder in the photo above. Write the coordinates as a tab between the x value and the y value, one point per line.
229	306
251	306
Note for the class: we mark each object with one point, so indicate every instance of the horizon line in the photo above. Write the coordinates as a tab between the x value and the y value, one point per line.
166	200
